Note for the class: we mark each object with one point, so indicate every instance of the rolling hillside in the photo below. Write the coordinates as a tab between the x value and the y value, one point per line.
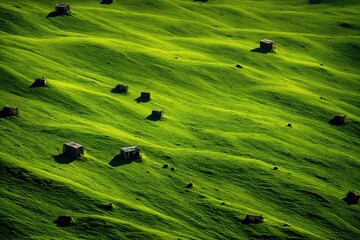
224	127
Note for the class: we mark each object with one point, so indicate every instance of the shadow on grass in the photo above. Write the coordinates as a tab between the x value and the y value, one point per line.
37	85
114	90
153	118
140	99
107	207
106	2
64	221
335	122
6	113
64	159
118	161
3	115
318	1
258	50
55	14
34	85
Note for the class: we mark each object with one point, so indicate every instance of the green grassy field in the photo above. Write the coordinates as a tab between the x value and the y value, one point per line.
224	128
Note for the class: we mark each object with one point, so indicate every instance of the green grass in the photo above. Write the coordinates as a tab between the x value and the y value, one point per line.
224	128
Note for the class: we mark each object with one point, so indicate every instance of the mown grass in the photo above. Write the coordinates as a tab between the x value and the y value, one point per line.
224	128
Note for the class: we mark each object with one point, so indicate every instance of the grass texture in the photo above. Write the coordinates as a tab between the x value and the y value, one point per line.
224	128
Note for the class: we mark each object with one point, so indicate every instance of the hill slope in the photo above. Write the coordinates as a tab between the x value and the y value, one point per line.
224	128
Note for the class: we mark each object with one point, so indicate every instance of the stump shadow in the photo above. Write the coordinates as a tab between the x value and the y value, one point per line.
7	115
336	122
247	221
114	90
3	115
350	201
318	1
105	206
36	85
56	14
347	201
64	223
152	118
259	50
117	161
63	158
140	99
106	2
